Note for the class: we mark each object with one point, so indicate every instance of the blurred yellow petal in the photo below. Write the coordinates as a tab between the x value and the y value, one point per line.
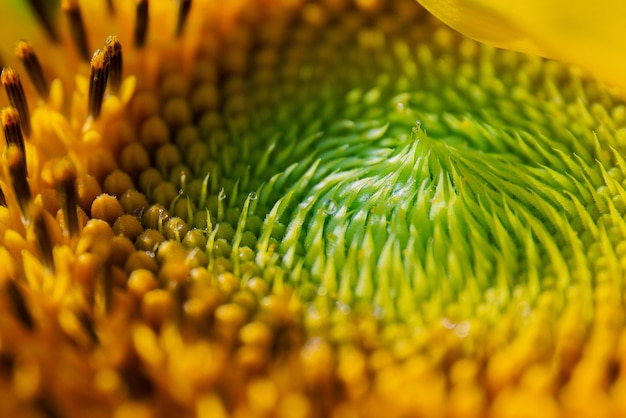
588	34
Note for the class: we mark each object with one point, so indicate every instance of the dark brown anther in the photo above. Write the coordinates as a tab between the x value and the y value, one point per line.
13	86
111	7
45	10
113	48
18	305
141	25
16	162
77	27
183	13
26	54
11	126
98	81
65	177
44	240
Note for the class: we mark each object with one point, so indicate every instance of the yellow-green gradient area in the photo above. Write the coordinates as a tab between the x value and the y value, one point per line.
314	209
587	34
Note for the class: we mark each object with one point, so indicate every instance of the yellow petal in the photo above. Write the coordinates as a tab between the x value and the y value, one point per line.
588	34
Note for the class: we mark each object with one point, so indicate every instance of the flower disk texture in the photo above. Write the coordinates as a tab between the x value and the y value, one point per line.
284	208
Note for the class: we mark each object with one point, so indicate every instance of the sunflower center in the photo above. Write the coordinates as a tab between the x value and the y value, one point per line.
340	203
365	163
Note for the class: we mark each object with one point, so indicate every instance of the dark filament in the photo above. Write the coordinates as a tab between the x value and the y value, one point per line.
77	28
26	54
19	177
44	9
183	13
141	25
3	199
13	86
18	304
87	324
65	177
44	240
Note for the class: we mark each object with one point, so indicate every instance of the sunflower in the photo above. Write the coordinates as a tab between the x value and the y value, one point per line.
290	208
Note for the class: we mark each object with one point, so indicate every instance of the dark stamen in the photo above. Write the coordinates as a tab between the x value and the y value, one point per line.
111	7
77	27
3	199
19	177
45	11
141	25
26	54
87	324
98	81
18	304
113	48
13	86
183	12
65	177
10	118
44	240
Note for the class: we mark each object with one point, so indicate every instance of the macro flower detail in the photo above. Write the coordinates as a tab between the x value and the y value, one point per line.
579	33
302	208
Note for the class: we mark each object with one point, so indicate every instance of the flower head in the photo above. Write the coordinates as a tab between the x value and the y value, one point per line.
291	208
